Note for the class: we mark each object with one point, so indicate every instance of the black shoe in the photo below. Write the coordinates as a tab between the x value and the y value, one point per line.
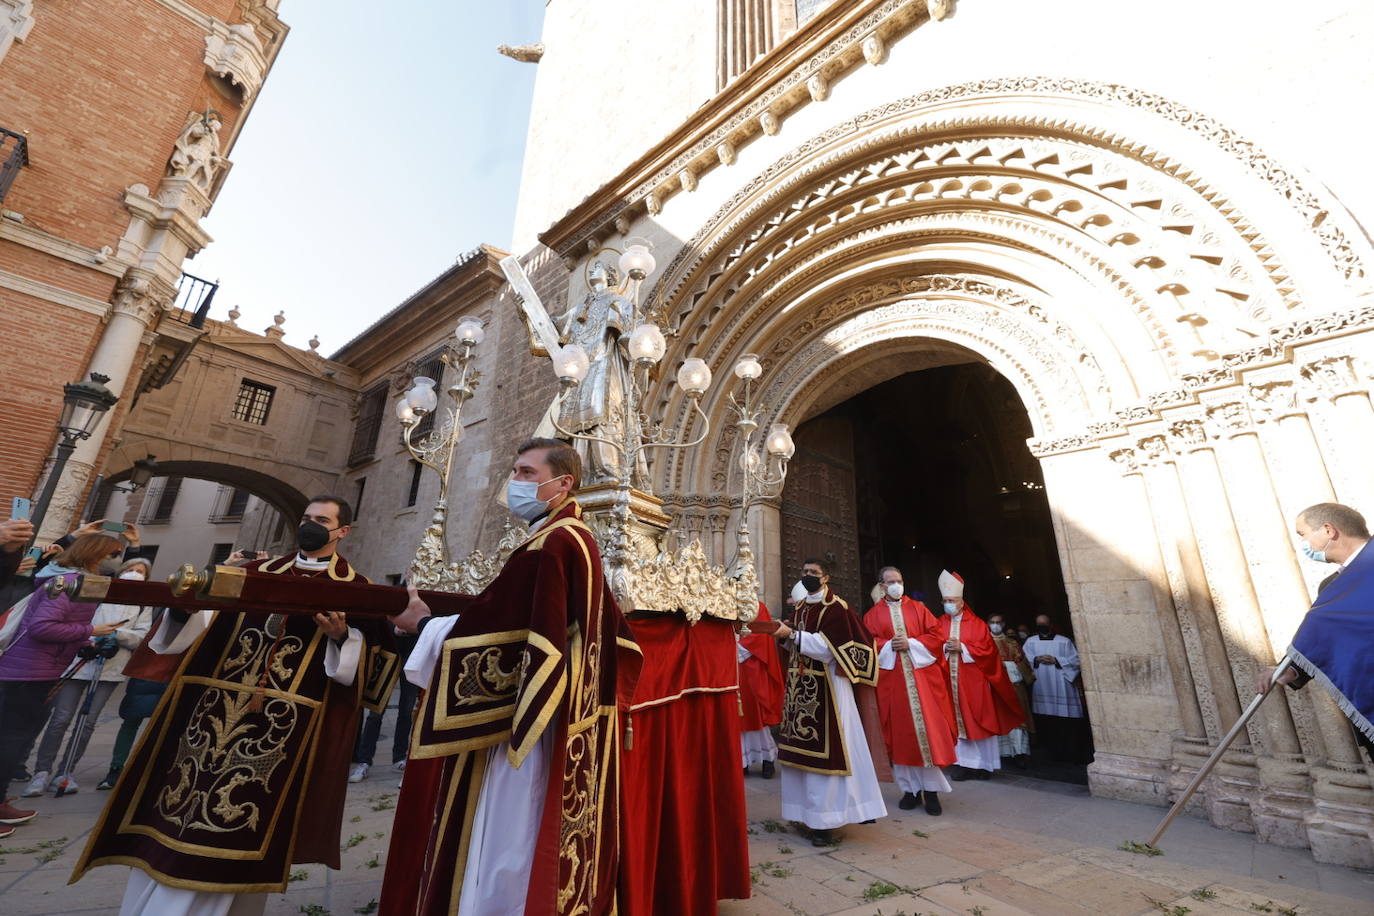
908	802
767	769
1021	761
110	779
871	820
959	774
746	771
982	774
22	774
821	838
932	800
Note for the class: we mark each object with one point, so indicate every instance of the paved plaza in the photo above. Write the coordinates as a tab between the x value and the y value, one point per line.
1010	846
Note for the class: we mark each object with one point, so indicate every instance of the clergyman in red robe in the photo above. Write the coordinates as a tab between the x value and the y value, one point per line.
760	697
913	693
510	797
985	703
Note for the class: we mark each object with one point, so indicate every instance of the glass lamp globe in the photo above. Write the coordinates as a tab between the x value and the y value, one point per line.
571	364
470	330
404	412
647	343
694	377
749	460
421	396
779	441
637	262
748	367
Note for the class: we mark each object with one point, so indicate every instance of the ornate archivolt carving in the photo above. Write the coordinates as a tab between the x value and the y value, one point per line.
1333	376
1273	400
235	53
1189	434
1230	418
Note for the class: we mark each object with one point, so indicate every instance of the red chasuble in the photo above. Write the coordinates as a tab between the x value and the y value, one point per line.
760	680
543	647
811	735
985	703
243	769
918	720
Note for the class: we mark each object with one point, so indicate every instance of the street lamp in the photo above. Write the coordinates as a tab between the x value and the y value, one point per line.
83	404
435	451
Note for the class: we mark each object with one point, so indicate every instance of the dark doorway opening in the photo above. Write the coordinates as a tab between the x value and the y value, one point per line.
931	471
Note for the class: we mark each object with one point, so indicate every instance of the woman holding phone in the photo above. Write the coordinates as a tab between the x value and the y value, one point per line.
49	636
106	670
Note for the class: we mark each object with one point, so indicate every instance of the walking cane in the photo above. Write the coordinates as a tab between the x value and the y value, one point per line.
1206	768
82	714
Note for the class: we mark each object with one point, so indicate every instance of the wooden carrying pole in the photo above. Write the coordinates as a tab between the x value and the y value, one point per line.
1206	768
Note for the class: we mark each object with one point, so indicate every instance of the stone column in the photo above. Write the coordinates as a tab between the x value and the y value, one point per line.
1282	597
1271	731
765	527
138	298
1340	399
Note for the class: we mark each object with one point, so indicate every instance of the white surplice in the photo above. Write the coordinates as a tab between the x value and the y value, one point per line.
145	897
822	801
1054	693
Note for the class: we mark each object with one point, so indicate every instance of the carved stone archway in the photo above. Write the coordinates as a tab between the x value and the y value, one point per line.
1128	264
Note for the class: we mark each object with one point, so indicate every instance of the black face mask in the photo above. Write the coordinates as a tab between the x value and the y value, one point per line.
812	584
1045	632
311	536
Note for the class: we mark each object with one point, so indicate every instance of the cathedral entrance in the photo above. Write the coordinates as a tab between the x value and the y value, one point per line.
928	471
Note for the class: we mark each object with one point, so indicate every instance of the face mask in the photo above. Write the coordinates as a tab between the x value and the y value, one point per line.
996	629
1313	554
311	536
522	497
1044	632
894	590
812	584
132	574
798	592
950	608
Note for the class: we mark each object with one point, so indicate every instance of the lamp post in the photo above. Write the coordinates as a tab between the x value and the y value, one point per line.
83	404
435	451
143	471
759	473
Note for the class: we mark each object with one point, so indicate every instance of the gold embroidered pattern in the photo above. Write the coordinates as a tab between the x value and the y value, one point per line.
800	722
913	698
955	659
481	680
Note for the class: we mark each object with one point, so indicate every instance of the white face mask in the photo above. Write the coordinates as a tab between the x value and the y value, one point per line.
894	590
132	574
950	608
996	629
522	497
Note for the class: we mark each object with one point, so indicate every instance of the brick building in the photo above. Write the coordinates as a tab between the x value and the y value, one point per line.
116	123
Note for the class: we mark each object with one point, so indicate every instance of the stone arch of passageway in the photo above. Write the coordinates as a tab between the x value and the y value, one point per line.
287	489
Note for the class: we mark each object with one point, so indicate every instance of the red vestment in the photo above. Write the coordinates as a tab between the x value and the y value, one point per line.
544	646
985	704
760	680
917	717
243	768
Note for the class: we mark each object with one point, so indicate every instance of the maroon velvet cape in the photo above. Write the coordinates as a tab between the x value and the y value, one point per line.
914	725
811	735
760	680
543	647
984	700
220	796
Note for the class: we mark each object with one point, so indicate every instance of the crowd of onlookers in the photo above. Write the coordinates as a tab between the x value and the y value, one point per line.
61	660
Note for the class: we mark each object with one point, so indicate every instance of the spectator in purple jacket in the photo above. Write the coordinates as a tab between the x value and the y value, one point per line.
48	638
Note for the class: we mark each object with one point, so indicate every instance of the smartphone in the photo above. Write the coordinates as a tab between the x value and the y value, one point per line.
116	527
21	508
34	553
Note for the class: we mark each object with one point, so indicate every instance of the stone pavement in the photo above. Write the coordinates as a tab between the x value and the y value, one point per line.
1010	846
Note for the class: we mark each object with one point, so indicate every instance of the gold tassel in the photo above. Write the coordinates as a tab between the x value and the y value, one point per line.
629	732
255	704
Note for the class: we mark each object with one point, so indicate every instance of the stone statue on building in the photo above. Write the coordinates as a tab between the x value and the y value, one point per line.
196	153
599	324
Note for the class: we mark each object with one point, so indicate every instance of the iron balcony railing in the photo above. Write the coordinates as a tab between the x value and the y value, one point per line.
14	155
194	297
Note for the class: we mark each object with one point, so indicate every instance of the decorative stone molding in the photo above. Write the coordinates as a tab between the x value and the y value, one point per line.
1274	400
235	53
1230	419
939	9
875	50
142	297
1332	377
16	21
688	179
1125	459
725	152
1190	435
818	87
1155	449
769	123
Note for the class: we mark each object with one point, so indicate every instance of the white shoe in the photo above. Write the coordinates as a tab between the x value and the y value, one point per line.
399	766
66	784
357	772
37	786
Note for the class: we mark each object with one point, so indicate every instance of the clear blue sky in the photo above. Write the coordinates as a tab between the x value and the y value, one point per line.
387	141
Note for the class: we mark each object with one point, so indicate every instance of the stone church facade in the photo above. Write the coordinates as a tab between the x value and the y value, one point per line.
1145	219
